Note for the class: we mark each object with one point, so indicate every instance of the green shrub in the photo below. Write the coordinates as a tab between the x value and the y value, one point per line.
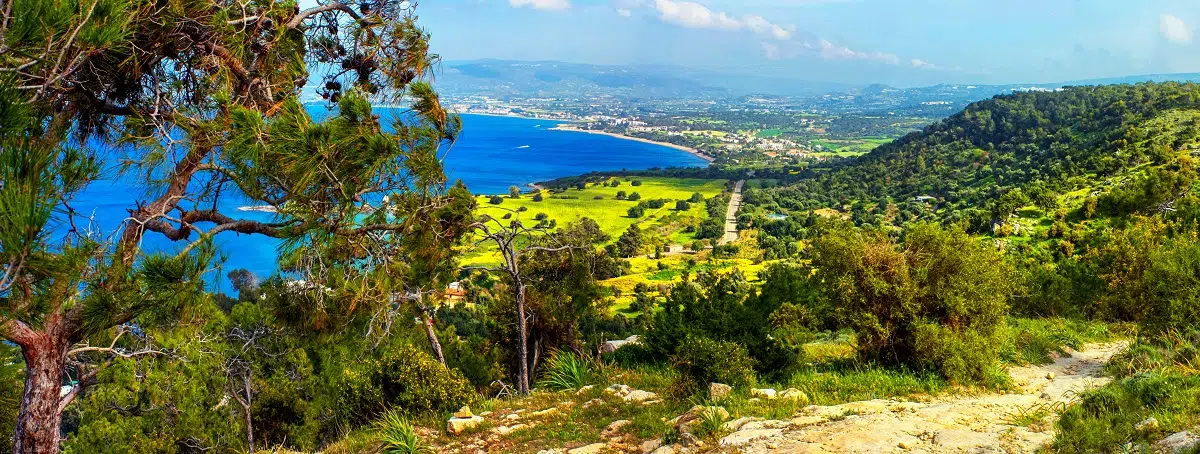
701	361
937	301
565	371
402	377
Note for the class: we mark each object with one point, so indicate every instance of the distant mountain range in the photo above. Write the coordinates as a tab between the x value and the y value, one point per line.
502	78
506	78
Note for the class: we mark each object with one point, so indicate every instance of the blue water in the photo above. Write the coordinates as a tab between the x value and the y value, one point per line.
491	154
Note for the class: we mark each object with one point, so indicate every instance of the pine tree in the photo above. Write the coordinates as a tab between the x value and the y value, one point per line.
207	93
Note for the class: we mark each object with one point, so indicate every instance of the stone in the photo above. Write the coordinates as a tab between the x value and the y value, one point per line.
733	426
618	390
638	395
719	391
616	426
613	345
668	449
794	394
464	412
1050	375
593	402
585	389
505	430
594	448
694	415
745	437
545	412
512	417
764	393
459	425
485	413
1177	442
551	451
650	446
1148	424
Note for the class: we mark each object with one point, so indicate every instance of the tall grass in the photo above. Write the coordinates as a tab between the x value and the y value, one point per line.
566	371
398	436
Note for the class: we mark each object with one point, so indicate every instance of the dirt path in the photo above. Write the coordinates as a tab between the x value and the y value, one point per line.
954	424
735	202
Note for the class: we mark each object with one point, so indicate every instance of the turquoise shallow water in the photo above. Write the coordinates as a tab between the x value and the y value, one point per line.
491	154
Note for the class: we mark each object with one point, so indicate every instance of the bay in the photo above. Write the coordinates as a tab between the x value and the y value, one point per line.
491	154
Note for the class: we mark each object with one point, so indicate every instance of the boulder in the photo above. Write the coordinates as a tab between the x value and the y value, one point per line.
1177	442
719	391
585	389
794	394
764	393
733	426
545	412
459	425
629	394
668	449
613	345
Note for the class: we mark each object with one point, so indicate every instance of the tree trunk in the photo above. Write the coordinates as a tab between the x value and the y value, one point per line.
40	416
523	344
432	334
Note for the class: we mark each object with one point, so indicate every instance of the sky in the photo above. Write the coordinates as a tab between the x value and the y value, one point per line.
896	42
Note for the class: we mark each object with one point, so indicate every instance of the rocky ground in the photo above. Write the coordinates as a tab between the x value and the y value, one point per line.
1016	422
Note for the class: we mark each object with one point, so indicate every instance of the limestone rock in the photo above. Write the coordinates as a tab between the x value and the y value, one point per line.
512	417
545	412
794	394
764	393
650	446
464	412
1177	442
615	427
719	391
668	449
629	394
585	389
459	425
733	426
744	437
594	448
1050	375
1148	424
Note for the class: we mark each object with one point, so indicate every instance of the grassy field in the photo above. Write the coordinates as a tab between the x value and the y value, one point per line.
851	147
647	270
599	203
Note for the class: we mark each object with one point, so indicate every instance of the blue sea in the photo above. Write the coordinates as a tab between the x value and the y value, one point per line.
491	154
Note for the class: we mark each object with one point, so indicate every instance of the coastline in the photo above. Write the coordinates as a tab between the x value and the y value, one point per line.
691	150
523	117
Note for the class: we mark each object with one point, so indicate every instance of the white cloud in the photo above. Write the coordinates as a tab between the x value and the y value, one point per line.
1174	29
694	15
919	63
541	4
624	12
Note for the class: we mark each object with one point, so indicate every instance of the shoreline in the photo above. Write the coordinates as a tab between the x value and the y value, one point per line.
691	150
523	117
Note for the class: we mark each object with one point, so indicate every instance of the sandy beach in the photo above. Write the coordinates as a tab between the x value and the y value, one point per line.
691	150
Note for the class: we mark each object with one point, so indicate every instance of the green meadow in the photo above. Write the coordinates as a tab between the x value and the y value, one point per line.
599	202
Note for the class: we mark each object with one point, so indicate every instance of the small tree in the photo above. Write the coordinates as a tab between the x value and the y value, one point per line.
636	212
636	183
634	197
537	196
696	198
620	195
630	243
682	206
514	192
495	200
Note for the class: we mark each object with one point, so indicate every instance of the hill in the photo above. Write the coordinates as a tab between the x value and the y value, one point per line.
1039	146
